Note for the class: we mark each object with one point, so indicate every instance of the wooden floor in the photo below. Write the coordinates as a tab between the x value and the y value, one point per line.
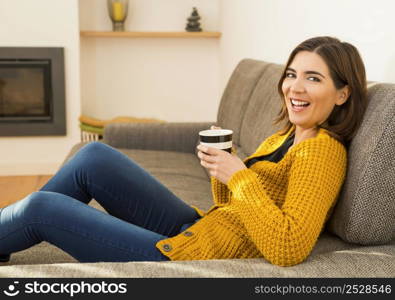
14	188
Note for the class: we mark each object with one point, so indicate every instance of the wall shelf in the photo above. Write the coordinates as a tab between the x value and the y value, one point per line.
151	34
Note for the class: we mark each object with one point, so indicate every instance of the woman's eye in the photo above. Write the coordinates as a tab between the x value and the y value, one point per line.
314	79
311	78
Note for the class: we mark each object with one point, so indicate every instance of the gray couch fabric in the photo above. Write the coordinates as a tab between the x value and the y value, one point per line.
237	94
365	212
330	258
248	106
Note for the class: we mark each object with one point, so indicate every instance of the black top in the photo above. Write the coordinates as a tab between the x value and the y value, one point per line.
277	155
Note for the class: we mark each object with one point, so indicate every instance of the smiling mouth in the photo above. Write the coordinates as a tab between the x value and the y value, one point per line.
299	105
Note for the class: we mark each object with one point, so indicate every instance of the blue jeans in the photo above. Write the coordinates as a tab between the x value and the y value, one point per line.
141	211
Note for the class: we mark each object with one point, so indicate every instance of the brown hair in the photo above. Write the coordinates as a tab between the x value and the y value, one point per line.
346	68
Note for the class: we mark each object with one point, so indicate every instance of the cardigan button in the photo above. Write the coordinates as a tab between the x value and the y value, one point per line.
188	233
167	247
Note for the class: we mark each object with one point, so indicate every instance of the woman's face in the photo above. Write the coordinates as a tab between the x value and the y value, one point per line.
307	82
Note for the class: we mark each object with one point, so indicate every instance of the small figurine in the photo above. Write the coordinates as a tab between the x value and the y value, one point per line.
193	24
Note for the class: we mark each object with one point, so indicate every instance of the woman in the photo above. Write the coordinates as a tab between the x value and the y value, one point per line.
273	204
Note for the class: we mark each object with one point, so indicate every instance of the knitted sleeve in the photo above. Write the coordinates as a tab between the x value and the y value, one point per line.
220	191
286	235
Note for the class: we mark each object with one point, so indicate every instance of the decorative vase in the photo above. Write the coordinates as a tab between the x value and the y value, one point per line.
118	11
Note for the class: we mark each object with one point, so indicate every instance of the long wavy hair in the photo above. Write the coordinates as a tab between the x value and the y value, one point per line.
346	68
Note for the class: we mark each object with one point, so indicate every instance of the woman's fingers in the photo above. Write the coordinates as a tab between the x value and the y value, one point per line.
207	158
209	150
214	127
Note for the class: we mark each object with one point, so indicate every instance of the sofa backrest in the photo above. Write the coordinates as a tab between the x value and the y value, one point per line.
237	94
263	107
365	210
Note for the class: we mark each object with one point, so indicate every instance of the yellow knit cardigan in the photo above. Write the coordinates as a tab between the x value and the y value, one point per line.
271	210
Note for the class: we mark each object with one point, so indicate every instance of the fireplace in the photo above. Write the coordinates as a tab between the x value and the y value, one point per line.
32	91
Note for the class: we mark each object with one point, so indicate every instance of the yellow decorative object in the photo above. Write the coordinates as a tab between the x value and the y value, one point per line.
118	11
92	129
121	119
273	211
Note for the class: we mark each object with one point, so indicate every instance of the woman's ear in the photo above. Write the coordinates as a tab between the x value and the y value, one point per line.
344	93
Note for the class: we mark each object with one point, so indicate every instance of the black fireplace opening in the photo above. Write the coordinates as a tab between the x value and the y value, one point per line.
25	90
32	92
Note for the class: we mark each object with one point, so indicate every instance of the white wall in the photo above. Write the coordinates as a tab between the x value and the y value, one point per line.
166	78
270	29
42	23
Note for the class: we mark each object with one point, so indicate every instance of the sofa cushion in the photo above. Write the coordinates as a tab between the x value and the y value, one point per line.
179	172
263	107
237	94
365	211
330	258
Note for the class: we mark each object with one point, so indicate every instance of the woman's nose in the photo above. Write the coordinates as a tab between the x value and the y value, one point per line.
297	86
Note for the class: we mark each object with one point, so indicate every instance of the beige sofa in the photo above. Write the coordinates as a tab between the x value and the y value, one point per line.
358	241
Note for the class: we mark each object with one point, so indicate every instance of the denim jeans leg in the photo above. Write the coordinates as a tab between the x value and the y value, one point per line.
123	188
87	234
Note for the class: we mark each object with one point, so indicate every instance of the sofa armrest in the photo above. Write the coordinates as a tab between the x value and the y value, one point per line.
176	136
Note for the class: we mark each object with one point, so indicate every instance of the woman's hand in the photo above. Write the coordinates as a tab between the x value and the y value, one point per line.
221	164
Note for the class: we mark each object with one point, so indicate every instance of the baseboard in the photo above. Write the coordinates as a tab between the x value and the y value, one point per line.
15	169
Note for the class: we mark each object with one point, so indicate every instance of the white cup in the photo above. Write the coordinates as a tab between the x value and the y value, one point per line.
217	138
